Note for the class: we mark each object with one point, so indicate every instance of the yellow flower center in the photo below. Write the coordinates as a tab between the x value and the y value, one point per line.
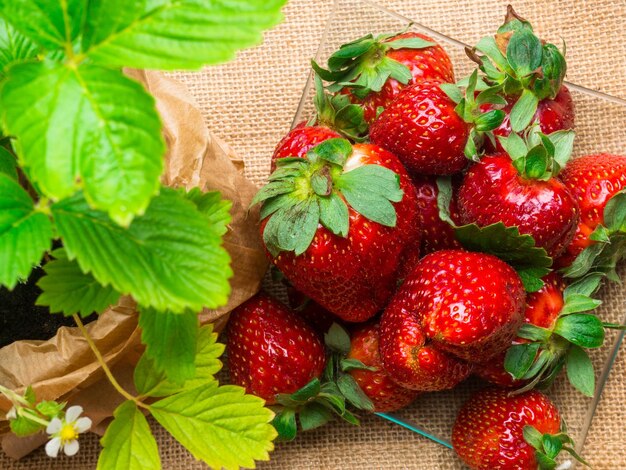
68	433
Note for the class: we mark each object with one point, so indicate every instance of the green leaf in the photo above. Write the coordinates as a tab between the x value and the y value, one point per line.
575	303
70	136
490	120
563	142
219	425
215	210
444	197
583	330
68	290
168	259
334	214
531	277
25	233
352	391
453	91
410	43
314	415
152	382
8	164
615	212
14	47
487	45
580	371
337	339
533	332
349	364
587	285
536	163
524	52
552	445
298	225
334	151
50	409
370	190
23	427
601	234
519	358
128	443
174	34
545	462
307	392
523	111
532	436
51	23
170	340
584	261
285	424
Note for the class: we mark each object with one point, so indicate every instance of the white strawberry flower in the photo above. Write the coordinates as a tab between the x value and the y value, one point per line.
64	432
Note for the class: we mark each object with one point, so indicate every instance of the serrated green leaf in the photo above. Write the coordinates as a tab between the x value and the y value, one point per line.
524	52
601	234
296	226
352	391
523	111
584	330
219	425
334	214
128	443
174	34
50	409
23	427
8	164
51	23
69	135
216	211
370	190
313	416
580	372
285	424
25	234
170	340
615	212
519	358
584	261
168	259
531	278
14	47
337	339
152	382
575	303
68	290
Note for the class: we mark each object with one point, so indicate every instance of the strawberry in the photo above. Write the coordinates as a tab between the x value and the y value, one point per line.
313	313
542	310
339	225
436	234
432	128
271	350
373	71
520	190
594	180
497	431
385	394
300	140
455	306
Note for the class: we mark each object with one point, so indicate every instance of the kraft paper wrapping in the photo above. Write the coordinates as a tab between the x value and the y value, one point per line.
64	367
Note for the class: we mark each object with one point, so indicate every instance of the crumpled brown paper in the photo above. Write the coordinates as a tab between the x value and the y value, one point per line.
64	367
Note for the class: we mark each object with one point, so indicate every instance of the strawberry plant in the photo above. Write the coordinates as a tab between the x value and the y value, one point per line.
80	168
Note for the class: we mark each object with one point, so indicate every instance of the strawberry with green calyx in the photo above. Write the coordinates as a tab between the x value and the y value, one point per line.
497	431
433	128
339	224
300	140
372	71
599	184
520	190
531	75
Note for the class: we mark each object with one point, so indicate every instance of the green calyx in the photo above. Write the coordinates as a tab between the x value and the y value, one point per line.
363	65
303	193
548	350
519	61
609	246
519	250
468	108
338	113
536	155
549	446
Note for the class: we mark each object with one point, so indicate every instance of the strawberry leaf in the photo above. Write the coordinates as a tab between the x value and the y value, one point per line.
310	390
23	427
349	364
314	415
352	391
453	92
334	214
519	358
68	290
220	425
575	303
532	436
14	47
25	233
8	164
580	371
337	339
128	442
523	111
524	52
584	330
285	424
615	212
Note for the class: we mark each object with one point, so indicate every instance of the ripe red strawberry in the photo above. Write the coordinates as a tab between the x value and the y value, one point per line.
372	71
339	224
300	140
552	115
436	234
494	190
494	431
542	309
270	349
593	180
377	385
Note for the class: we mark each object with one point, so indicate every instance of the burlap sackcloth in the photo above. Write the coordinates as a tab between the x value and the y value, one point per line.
251	103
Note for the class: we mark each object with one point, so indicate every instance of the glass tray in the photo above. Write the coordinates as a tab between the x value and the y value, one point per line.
593	109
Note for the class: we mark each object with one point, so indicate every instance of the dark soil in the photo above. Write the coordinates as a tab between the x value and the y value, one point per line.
21	319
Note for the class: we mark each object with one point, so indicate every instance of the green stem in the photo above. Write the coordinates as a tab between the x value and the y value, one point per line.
32	416
104	365
13	396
